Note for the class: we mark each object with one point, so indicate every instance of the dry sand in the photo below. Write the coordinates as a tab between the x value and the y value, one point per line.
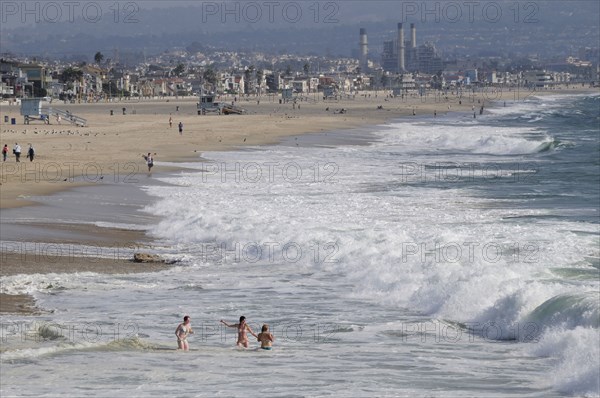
111	147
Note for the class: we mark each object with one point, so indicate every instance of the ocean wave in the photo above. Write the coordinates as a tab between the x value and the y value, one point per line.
568	311
442	253
477	140
62	345
575	354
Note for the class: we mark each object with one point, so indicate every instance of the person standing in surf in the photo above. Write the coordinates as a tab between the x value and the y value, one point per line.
242	327
183	330
265	338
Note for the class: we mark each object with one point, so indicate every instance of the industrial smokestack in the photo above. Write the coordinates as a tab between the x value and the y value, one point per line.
363	49
400	48
413	36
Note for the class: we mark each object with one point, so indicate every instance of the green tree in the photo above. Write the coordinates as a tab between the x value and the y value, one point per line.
71	74
98	57
210	76
110	88
179	69
306	69
384	80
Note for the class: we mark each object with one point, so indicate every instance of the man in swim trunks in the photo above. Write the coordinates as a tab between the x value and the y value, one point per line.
242	327
182	331
265	338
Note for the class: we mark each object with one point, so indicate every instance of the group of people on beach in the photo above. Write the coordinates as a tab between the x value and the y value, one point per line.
265	338
17	152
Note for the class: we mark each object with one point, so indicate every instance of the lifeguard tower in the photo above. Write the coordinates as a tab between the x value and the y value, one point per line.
31	109
208	104
287	94
330	93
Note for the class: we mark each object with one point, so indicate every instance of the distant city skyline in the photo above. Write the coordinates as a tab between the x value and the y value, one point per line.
487	28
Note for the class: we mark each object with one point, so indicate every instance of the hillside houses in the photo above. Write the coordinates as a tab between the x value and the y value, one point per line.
179	74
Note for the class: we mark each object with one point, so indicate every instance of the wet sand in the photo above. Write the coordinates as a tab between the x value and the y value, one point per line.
38	263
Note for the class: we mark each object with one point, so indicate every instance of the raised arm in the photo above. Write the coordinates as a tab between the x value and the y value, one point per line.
228	325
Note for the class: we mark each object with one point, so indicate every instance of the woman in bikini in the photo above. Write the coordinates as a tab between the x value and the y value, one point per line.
242	327
182	331
265	338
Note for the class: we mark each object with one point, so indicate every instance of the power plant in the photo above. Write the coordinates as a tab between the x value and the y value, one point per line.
401	47
401	56
364	65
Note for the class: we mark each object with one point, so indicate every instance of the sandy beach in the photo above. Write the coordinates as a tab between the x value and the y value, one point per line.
110	148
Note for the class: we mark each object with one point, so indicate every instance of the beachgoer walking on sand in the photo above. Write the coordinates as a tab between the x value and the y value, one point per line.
149	161
265	338
180	128
183	330
242	327
170	122
17	151
4	152
30	153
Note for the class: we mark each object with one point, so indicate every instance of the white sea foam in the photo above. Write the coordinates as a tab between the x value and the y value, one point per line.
442	140
575	353
468	265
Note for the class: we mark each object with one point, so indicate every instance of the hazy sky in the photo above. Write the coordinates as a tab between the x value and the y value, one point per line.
18	13
60	26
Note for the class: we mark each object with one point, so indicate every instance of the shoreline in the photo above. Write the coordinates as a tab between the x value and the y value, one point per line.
219	133
112	146
36	263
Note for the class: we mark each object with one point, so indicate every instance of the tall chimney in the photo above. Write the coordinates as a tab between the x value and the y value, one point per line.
413	36
400	48
363	49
